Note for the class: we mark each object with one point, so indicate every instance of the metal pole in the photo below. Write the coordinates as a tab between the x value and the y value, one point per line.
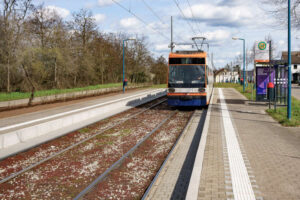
270	46
244	74
123	66
289	107
171	34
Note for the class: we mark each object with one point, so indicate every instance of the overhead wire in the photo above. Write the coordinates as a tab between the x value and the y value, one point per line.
194	16
183	15
140	19
159	18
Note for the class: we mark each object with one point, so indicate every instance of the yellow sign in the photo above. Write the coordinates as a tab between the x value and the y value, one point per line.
262	46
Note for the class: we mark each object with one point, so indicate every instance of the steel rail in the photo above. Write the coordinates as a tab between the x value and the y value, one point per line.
121	160
166	160
74	145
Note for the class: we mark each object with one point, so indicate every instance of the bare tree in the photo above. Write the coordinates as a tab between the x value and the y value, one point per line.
279	10
14	14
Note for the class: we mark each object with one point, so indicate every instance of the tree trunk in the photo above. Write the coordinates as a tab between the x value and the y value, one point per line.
8	75
55	73
102	75
75	81
32	86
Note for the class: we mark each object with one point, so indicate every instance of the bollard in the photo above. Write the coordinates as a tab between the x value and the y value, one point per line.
271	91
125	83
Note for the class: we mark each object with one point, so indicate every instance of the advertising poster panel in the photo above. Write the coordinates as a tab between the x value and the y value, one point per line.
262	79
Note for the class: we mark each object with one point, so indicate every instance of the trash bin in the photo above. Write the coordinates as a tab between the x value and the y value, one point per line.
271	91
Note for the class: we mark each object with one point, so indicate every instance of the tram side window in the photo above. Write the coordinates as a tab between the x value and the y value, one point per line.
207	73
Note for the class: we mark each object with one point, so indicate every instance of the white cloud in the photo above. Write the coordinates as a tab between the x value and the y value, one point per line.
221	15
217	35
281	42
99	18
62	12
158	26
129	23
105	2
162	47
220	61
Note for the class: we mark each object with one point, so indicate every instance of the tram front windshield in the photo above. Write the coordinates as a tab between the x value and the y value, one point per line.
186	76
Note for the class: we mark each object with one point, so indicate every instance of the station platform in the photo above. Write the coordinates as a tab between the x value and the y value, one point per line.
26	130
240	153
46	110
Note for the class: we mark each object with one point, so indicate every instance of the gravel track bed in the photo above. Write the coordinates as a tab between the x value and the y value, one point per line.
131	180
66	175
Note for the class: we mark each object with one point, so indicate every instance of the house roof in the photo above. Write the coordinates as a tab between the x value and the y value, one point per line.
220	71
295	56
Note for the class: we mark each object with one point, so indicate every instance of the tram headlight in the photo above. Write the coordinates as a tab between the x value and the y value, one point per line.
171	90
201	90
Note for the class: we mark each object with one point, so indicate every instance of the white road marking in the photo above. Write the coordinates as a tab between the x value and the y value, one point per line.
241	185
71	112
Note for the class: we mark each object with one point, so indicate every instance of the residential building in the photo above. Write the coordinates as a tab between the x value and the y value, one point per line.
226	76
295	68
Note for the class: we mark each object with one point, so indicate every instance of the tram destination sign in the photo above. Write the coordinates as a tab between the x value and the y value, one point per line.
261	51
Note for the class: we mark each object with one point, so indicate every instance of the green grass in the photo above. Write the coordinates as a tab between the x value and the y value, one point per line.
159	86
84	130
25	95
281	114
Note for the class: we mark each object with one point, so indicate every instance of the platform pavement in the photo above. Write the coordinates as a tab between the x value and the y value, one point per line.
61	109
271	153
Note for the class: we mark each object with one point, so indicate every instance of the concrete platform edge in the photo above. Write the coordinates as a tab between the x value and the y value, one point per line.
192	193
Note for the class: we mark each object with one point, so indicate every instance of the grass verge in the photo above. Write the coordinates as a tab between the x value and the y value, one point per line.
25	95
159	86
281	114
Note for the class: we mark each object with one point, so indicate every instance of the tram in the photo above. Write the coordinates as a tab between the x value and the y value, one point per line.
190	78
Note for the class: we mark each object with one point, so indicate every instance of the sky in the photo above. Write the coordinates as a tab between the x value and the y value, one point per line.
217	20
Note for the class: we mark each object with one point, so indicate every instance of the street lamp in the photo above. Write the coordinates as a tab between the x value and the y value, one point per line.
244	62
124	61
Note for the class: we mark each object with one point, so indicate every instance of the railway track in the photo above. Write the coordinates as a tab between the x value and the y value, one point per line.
66	172
130	176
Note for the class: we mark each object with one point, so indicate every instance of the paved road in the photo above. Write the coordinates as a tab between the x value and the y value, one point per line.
296	91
